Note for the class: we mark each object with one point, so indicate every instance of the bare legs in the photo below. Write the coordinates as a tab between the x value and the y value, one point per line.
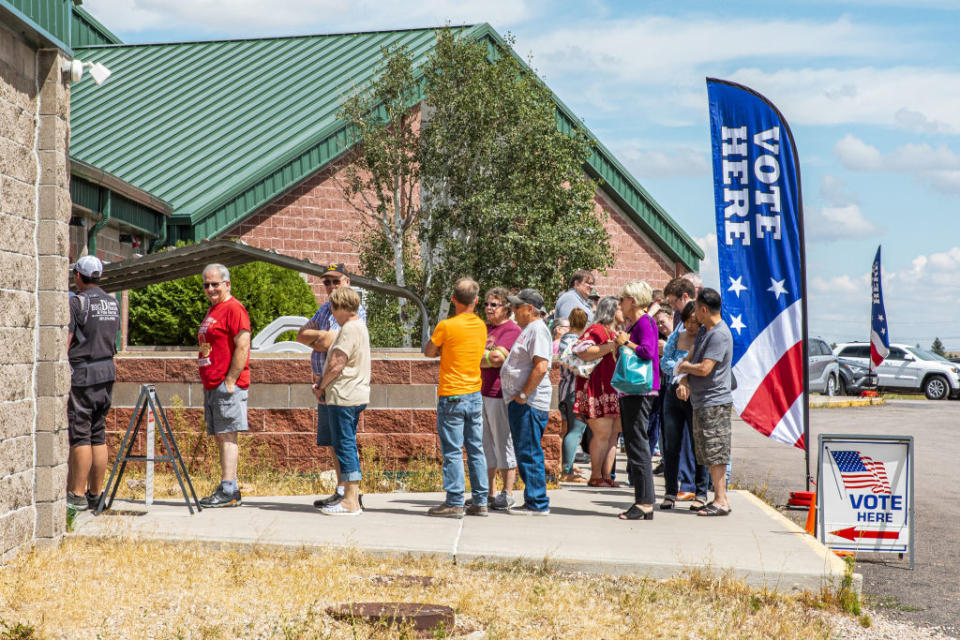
603	446
87	465
229	455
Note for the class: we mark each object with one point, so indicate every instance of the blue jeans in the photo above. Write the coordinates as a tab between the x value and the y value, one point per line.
460	425
678	448
571	440
343	429
526	427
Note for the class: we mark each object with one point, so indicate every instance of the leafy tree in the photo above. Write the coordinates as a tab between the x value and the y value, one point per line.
937	348
382	181
503	196
507	200
169	313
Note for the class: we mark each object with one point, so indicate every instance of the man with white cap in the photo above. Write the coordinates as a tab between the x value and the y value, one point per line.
92	343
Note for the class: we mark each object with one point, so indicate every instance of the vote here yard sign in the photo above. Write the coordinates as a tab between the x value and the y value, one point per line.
865	493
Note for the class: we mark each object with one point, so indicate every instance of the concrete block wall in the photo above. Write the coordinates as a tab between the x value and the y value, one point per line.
34	212
399	422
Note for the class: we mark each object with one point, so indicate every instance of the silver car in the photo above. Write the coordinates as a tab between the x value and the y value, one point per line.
822	367
908	369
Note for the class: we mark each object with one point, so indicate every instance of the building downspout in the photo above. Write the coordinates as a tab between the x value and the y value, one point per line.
101	223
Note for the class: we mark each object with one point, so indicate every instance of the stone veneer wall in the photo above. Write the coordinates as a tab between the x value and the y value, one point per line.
399	422
34	212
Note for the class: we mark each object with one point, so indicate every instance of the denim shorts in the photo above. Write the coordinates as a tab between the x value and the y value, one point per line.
225	412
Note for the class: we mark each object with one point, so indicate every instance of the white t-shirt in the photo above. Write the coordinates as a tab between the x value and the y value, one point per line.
534	341
352	387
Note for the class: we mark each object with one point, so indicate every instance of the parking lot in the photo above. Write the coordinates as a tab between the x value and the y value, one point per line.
929	594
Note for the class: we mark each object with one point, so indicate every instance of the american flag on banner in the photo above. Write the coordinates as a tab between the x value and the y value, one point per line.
860	472
879	339
760	250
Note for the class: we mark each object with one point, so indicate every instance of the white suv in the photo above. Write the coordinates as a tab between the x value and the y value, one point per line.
908	368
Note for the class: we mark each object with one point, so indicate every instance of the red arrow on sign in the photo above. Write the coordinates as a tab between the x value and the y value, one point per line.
852	533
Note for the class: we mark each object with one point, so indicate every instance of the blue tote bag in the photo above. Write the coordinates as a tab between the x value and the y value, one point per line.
633	374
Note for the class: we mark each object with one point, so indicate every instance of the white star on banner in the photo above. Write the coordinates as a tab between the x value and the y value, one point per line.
778	287
880	318
737	285
737	323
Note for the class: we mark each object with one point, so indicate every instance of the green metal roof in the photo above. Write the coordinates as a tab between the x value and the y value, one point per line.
50	19
218	129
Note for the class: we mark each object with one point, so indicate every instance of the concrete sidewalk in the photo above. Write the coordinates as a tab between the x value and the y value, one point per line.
582	534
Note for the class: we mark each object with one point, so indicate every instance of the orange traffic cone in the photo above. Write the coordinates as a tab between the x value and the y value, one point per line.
811	526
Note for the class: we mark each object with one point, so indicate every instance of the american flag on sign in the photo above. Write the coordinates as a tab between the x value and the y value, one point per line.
860	472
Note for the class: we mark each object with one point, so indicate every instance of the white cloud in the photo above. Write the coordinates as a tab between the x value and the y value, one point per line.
251	18
709	266
669	162
939	166
653	49
899	96
836	223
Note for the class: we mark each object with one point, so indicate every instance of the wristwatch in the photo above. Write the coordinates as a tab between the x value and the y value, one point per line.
522	395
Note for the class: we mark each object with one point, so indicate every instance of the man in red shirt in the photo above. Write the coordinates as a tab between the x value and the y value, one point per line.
224	364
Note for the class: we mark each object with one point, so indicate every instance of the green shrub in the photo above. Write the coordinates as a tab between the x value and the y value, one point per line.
169	313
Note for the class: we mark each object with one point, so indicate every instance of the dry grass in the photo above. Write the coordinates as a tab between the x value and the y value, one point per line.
123	588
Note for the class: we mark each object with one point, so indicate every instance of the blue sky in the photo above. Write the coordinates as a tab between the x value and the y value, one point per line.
871	90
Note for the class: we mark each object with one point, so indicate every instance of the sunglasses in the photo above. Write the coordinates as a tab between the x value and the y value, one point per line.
492	305
212	285
330	283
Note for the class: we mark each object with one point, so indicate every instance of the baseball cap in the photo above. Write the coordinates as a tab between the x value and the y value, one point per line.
336	267
529	296
88	267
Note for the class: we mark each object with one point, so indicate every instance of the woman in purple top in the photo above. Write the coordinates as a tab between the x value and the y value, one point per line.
642	337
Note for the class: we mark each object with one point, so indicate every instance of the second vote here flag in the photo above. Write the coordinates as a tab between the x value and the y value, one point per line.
756	181
879	340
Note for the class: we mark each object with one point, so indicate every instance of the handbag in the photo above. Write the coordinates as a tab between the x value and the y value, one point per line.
581	368
633	374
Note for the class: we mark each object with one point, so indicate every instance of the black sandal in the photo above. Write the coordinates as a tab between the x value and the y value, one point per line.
636	513
698	505
668	503
713	510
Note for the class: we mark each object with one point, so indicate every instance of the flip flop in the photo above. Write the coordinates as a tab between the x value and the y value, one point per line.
698	505
668	503
339	510
713	510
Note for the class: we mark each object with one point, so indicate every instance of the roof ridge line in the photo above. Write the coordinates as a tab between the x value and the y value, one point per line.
294	37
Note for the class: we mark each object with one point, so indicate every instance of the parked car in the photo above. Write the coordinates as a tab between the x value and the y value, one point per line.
822	367
855	377
908	369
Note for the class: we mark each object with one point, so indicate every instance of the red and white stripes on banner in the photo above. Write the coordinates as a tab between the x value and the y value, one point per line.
878	350
769	393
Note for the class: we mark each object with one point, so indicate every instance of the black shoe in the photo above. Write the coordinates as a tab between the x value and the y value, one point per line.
658	470
329	501
220	498
92	500
77	503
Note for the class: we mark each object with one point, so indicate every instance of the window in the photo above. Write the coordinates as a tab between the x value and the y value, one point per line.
896	354
855	351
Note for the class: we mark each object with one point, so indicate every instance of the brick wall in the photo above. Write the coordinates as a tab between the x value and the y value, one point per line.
34	211
399	422
313	221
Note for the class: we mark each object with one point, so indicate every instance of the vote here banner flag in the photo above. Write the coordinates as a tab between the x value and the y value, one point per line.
756	180
879	340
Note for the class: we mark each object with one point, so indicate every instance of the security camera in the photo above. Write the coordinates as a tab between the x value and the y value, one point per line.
75	68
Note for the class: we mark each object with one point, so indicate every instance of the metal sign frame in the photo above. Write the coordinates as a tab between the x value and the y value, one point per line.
857	439
148	402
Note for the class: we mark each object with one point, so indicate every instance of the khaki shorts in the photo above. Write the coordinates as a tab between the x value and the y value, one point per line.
712	435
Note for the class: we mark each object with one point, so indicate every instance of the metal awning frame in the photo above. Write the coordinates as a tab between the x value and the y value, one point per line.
190	260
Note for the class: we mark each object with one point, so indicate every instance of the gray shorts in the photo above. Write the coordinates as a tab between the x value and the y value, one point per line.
712	435
225	412
497	441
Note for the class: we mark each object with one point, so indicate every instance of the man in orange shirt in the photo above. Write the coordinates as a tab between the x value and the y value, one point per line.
460	341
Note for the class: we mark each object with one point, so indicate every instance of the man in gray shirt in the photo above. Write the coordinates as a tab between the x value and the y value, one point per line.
577	296
707	385
527	391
